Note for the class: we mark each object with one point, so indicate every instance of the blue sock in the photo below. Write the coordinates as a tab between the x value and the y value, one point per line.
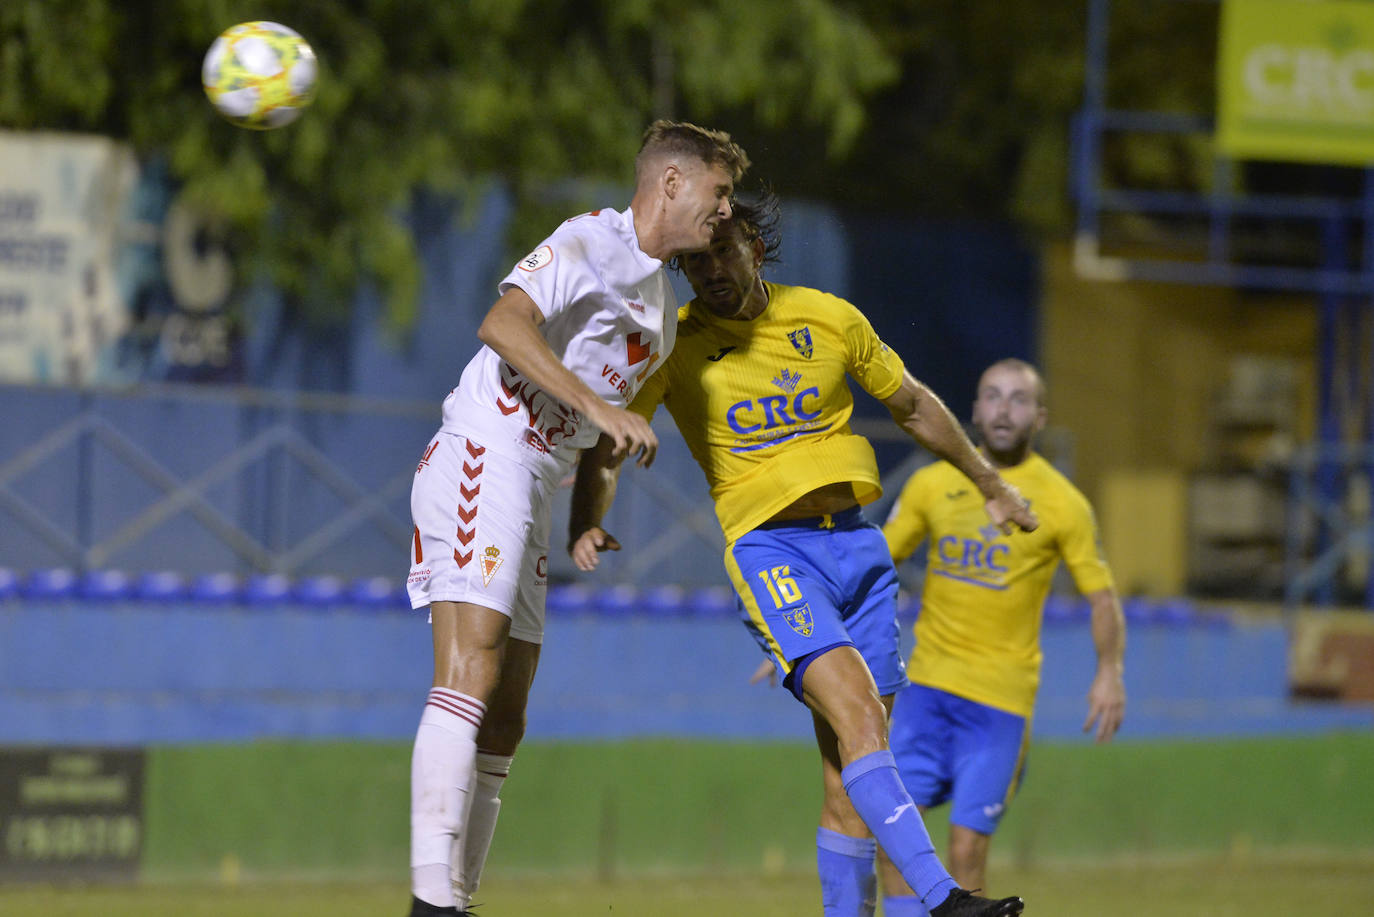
849	886
904	906
886	807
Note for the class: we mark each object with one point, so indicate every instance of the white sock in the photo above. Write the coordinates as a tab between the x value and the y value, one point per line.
441	773
485	803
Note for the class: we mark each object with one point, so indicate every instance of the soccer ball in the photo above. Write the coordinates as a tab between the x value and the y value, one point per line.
260	75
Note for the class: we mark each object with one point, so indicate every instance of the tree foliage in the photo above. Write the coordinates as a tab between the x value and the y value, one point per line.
446	96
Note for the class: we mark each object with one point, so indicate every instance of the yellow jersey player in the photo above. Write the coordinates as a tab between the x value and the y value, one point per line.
757	385
960	730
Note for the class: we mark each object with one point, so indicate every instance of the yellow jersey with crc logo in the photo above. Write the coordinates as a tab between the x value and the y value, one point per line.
764	404
978	630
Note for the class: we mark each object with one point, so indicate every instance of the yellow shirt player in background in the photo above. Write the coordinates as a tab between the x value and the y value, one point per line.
757	385
960	730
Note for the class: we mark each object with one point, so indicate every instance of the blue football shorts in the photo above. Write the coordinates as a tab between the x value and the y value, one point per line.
812	584
951	749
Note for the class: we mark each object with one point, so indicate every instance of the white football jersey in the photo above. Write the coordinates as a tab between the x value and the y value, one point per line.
610	316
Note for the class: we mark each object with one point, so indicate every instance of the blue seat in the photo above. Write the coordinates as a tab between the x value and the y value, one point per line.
711	602
105	586
1065	609
56	583
616	601
664	601
9	583
318	591
1177	612
376	592
1139	611
569	599
161	586
265	589
214	588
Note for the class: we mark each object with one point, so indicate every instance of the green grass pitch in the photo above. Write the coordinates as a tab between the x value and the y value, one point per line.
1204	888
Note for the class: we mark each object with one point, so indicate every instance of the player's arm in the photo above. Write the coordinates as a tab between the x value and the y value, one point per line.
593	493
511	328
905	527
1107	696
924	417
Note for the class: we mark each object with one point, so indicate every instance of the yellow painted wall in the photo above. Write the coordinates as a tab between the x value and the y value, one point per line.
1133	371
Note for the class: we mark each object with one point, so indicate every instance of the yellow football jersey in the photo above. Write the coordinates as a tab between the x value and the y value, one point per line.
978	631
764	405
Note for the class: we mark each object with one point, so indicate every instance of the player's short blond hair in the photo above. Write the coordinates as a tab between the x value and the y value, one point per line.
681	138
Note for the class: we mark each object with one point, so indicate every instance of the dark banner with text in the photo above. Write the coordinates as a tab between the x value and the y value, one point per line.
70	814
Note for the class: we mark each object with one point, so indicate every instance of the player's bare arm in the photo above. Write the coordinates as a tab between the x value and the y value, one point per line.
593	493
1107	696
511	328
921	413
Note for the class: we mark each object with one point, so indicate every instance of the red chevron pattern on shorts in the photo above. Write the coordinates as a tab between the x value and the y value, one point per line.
468	489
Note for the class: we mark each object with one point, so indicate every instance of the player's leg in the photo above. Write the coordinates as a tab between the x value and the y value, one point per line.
845	848
472	522
497	741
968	856
504	726
922	745
468	645
989	748
838	686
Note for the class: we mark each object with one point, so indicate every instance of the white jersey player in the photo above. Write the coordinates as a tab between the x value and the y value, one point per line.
581	323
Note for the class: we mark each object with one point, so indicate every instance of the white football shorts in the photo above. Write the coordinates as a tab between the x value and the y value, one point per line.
481	533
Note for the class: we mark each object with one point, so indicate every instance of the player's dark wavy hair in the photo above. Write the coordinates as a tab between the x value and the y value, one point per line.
758	214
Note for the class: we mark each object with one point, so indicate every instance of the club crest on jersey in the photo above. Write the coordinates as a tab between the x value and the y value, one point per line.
800	620
787	380
491	562
536	259
801	340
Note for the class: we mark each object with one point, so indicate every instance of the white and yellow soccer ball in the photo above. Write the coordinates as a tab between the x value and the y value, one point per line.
260	75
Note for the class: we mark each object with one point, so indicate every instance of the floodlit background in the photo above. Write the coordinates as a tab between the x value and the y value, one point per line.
222	351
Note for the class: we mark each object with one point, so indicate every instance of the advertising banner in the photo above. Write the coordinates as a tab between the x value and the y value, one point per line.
70	814
61	197
1295	81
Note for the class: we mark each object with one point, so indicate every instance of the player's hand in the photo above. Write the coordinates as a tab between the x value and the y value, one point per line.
633	436
586	548
765	672
1008	509
1106	703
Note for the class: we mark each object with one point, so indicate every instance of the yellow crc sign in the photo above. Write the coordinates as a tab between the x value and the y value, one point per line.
1295	81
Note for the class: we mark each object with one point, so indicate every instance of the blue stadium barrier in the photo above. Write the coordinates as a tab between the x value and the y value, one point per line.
661	662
